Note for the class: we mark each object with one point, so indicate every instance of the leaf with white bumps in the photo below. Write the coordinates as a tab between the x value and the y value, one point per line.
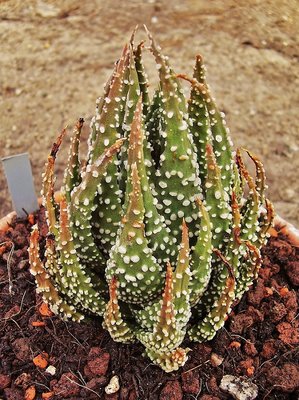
173	196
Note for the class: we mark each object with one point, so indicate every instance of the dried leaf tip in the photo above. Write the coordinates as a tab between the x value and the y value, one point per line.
56	145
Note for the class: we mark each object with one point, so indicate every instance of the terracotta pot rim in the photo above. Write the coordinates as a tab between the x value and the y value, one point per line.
287	229
280	225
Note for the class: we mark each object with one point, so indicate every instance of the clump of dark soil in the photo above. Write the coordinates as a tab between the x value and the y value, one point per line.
43	357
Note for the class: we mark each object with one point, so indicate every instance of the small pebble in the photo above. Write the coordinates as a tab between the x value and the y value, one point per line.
113	385
240	389
216	360
51	370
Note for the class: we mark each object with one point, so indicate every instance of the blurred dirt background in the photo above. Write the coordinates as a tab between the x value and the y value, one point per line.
56	56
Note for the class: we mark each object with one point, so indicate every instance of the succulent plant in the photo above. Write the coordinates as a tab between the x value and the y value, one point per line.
159	230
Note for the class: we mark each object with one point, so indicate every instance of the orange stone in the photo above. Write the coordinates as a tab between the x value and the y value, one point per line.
47	395
45	311
30	393
41	360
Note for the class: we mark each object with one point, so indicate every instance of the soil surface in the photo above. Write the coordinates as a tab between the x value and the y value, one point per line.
55	57
46	358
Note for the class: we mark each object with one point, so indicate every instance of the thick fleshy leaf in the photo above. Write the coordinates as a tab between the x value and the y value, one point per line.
260	179
159	238
142	77
217	200
201	257
148	316
200	124
131	258
170	361
249	268
214	320
131	103
166	334
162	343
45	284
78	282
154	125
82	205
181	282
215	305
119	330
47	193
199	70
220	133
178	182
109	122
266	222
72	176
250	210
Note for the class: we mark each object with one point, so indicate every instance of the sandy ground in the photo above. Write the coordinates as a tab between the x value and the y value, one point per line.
56	56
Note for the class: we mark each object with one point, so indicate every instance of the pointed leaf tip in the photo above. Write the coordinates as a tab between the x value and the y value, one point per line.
184	231
133	35
209	149
199	58
146	30
56	145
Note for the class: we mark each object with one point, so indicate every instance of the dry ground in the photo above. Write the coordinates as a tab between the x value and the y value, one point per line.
56	56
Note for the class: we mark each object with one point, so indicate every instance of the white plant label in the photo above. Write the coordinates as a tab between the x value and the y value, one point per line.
20	184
